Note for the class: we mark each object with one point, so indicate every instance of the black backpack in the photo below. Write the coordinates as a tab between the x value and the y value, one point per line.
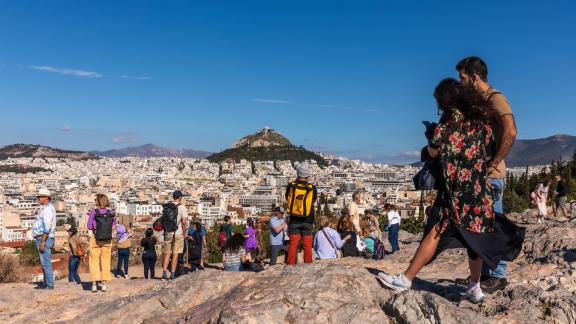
103	231
170	217
379	250
349	248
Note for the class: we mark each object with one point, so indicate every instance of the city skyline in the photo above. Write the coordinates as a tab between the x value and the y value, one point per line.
354	81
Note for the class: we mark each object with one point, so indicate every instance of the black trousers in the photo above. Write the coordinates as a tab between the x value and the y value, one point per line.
149	259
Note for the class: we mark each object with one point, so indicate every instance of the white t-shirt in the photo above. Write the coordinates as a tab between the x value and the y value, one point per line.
393	217
182	213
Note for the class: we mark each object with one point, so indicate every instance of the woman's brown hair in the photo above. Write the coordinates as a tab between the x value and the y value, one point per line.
102	201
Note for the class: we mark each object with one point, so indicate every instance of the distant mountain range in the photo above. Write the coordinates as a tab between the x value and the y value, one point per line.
40	151
265	145
151	150
268	144
542	151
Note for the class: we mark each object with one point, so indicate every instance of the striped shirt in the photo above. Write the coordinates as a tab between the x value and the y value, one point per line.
233	258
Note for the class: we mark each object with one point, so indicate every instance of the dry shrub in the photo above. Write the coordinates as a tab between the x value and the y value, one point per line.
9	268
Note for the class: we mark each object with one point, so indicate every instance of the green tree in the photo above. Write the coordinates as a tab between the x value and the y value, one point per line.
327	210
29	254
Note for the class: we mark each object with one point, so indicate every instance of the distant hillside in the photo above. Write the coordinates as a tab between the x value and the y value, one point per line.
266	145
542	151
150	150
39	151
20	169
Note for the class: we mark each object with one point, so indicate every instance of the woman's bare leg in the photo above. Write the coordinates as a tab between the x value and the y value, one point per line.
475	269
424	253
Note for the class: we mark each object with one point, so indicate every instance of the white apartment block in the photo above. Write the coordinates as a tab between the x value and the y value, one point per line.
143	209
265	203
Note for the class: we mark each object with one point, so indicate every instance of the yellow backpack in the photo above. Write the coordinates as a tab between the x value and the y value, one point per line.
300	199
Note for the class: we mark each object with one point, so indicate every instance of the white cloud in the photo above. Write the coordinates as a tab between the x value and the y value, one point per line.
321	105
143	78
124	137
66	129
66	71
272	101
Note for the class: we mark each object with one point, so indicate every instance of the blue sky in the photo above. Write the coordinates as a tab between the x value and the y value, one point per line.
350	77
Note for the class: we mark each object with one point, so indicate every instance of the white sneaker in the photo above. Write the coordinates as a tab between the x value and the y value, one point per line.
474	295
103	287
94	288
397	282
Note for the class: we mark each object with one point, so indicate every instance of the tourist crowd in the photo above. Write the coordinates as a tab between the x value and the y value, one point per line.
468	145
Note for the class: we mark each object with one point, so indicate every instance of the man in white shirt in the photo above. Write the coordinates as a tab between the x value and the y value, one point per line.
393	226
44	231
355	210
174	240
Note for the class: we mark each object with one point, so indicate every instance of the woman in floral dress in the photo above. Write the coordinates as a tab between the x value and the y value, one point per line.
463	141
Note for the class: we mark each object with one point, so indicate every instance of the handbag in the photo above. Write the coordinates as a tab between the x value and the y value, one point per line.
80	249
338	252
429	177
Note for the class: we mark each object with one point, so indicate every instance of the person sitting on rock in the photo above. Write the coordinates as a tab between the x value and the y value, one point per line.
464	143
349	237
370	240
234	254
327	242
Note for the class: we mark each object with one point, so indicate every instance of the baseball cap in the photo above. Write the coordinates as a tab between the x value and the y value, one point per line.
177	194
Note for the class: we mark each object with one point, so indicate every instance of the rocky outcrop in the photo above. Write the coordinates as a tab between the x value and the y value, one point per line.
542	289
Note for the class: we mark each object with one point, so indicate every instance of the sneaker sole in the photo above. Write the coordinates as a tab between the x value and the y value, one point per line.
477	302
385	283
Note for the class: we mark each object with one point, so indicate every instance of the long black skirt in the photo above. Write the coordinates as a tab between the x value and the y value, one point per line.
504	244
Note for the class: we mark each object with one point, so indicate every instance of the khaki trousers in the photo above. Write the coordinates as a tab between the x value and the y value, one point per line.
100	255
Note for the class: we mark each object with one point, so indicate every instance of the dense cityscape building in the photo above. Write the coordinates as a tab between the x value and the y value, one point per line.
138	187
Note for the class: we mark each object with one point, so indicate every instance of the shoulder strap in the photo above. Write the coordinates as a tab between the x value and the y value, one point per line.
492	94
97	212
329	240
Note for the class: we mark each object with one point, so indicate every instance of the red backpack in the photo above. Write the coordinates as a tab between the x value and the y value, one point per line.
222	237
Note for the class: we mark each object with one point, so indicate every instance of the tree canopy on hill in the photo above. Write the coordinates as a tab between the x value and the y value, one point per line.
21	169
518	189
270	153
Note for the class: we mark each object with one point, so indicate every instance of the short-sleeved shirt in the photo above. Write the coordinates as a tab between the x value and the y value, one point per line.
182	213
202	233
231	258
369	241
561	189
228	228
276	238
251	242
148	243
464	147
393	217
501	109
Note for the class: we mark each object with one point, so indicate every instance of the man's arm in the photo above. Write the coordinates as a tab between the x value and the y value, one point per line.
49	218
279	228
183	222
506	140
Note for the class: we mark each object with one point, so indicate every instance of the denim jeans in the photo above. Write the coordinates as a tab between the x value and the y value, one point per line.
393	236
73	265
501	270
123	257
46	260
235	267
